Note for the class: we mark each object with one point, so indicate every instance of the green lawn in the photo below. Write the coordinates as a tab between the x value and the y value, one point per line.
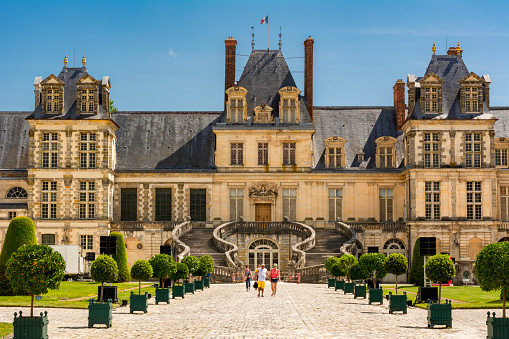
6	329
71	290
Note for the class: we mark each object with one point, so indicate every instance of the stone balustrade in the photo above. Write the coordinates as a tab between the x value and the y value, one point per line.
180	250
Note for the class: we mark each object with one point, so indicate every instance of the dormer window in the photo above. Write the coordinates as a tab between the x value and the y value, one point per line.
289	112
88	95
236	108
87	100
386	152
431	94
335	152
471	100
236	111
51	92
471	93
431	99
52	100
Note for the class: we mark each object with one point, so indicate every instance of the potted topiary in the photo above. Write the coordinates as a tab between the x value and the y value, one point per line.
440	268
358	273
103	269
346	261
492	271
192	265
373	263
396	264
162	267
199	273
121	258
141	270
178	289
209	261
32	270
336	272
331	282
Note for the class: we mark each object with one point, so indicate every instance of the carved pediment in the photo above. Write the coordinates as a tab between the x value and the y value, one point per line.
52	80
87	80
263	114
263	189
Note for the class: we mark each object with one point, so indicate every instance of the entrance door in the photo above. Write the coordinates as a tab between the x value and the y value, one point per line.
262	212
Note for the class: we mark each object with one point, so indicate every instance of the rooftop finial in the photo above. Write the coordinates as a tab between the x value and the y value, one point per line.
280	38
434	49
83	61
252	39
65	61
458	49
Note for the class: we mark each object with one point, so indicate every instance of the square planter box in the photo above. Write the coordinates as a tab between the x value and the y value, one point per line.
497	327
340	285
162	295
178	291
360	291
100	313
331	283
376	295
189	287
206	282
349	287
27	327
440	314
198	285
397	302
138	302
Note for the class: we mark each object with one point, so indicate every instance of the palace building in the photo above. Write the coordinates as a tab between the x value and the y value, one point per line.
268	173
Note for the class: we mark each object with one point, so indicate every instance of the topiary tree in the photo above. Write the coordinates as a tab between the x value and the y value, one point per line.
209	261
396	264
121	258
492	269
346	261
181	273
357	272
440	268
373	263
336	270
201	270
162	267
416	276
104	269
329	262
21	231
192	263
33	269
141	270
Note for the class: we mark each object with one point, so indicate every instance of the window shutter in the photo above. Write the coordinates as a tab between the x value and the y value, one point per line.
293	209
382	210
332	212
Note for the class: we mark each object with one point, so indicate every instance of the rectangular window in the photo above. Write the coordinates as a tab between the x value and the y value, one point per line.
87	200
163	204
49	200
474	200
49	150
87	101
289	153
431	99
129	204
88	150
53	101
263	153
501	157
431	150
473	150
504	203
289	111
236	203
471	100
87	242
48	239
386	157
335	155
12	215
290	204
432	200
335	204
237	153
386	205
198	204
236	111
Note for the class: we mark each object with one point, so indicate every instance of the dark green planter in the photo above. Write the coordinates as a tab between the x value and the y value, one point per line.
497	327
198	285
100	313
206	282
178	291
189	287
440	314
397	302
340	285
360	291
349	287
331	282
26	327
376	295
138	302
162	295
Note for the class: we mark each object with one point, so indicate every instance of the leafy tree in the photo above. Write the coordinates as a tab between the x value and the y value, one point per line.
357	272
191	262
201	270
440	268
417	270
141	270
329	262
396	264
209	262
21	231
162	266
104	269
346	261
121	258
492	269
336	270
373	263
181	273
113	108
33	269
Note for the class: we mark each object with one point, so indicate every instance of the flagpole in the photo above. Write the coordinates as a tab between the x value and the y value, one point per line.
268	28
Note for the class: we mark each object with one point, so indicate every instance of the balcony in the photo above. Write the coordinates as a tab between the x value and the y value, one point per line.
134	226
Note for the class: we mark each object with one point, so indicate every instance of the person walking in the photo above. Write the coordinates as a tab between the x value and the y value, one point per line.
262	273
274	278
247	276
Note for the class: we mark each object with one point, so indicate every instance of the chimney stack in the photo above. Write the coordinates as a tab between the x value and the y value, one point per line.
399	103
308	74
229	67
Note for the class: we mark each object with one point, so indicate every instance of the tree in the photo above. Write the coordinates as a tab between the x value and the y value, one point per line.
121	258
21	231
336	270
346	261
162	267
329	262
357	272
141	270
417	270
191	262
33	269
113	108
440	268
396	264
201	270
104	269
373	263
209	262
181	273
492	269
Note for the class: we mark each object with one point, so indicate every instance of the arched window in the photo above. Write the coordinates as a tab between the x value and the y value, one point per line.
17	193
394	244
263	243
263	251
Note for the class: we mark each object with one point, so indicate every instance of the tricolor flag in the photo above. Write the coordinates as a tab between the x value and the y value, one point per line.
265	20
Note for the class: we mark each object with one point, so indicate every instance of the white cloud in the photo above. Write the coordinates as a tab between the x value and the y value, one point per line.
172	53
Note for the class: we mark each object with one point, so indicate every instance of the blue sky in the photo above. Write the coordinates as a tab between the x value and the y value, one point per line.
169	55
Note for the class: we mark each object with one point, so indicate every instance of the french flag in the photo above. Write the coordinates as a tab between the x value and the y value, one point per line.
265	20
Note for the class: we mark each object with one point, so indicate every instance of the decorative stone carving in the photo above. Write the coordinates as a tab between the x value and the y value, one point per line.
263	191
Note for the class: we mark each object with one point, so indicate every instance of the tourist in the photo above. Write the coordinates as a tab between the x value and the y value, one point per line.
256	272
247	276
274	278
262	273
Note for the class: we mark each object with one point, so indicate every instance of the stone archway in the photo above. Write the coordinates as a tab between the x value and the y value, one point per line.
394	245
504	239
474	247
263	251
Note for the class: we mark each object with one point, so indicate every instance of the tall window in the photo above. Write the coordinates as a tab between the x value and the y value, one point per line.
163	204
87	150
431	150
290	204
52	100
87	242
500	157
473	150
471	100
335	155
386	157
289	110
236	111
48	239
431	99
335	204
236	203
474	200
432	200
198	204
289	153
129	204
386	205
49	200
49	150
237	153
87	100
87	200
263	153
504	203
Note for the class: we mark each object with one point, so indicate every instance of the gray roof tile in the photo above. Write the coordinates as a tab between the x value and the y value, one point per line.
13	140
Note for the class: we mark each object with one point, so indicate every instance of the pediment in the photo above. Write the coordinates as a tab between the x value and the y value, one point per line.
289	90
263	108
386	140
52	80
236	91
471	77
430	78
335	140
87	80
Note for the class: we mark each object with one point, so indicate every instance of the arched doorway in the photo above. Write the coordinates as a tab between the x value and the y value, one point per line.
359	248
394	246
263	251
504	239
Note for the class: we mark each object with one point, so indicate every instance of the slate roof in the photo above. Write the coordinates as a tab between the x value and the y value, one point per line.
13	140
502	125
13	206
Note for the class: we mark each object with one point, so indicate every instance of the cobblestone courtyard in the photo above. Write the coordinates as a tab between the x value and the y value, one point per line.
228	311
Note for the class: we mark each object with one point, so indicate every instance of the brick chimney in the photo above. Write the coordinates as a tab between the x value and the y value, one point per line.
229	65
399	103
308	74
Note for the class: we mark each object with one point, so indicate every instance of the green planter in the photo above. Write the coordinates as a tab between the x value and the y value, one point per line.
397	302
340	285
497	327
206	282
27	327
100	313
376	295
162	295
331	282
359	291
178	291
439	314
349	287
138	302
189	287
198	285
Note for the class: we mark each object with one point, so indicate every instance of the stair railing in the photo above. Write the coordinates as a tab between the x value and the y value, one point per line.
298	250
231	250
348	247
180	250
